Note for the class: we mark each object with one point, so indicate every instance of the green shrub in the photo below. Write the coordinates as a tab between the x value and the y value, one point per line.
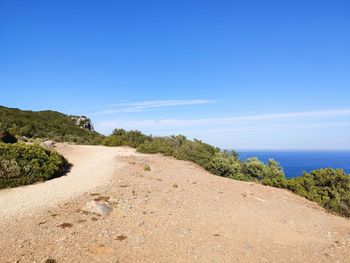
274	175
120	137
161	145
22	164
181	148
254	168
226	166
328	187
197	152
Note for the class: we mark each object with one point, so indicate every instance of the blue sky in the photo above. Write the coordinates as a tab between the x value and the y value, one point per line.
237	74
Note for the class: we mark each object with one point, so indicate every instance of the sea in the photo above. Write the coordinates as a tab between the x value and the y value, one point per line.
295	162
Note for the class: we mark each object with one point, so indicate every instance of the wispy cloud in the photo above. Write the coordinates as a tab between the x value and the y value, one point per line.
222	121
269	127
149	105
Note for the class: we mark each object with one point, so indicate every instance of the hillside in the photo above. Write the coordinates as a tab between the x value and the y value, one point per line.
330	188
175	211
48	125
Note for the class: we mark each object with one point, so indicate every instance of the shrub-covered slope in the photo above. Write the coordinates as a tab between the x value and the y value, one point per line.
330	188
48	125
22	164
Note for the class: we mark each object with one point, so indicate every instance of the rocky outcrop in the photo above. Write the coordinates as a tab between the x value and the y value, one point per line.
83	122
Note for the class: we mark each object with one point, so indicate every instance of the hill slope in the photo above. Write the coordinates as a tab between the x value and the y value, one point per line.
49	125
177	212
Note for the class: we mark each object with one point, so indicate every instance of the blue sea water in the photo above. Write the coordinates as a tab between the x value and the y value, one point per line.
295	162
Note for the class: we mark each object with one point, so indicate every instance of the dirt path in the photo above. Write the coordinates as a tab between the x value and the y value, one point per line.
93	166
175	213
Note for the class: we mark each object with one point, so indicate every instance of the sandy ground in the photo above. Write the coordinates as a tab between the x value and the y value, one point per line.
177	212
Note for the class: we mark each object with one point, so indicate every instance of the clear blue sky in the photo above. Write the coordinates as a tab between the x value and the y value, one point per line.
237	74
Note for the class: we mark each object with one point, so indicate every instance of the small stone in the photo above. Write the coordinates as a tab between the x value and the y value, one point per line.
50	260
66	225
48	144
98	208
121	238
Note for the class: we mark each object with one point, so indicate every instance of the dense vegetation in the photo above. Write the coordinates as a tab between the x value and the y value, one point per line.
22	164
120	137
330	188
47	125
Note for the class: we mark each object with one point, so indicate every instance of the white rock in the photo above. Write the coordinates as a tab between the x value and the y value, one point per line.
48	144
98	208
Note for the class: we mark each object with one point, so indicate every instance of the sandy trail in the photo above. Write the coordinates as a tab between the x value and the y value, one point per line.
177	212
93	166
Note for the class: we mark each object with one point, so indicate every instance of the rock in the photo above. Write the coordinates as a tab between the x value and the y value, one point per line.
121	238
98	208
66	225
83	122
48	144
50	260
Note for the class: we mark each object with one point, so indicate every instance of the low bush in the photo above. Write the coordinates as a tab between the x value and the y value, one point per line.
120	137
254	169
328	187
196	151
163	145
227	166
22	164
181	148
274	175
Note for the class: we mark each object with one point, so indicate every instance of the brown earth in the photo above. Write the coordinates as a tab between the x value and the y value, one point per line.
177	212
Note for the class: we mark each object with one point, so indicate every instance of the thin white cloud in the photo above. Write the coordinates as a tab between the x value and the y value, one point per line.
163	123
270	127
149	105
